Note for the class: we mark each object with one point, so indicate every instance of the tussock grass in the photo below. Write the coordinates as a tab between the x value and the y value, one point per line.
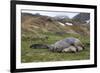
43	55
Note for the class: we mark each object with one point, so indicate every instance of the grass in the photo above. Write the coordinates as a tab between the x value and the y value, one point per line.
44	55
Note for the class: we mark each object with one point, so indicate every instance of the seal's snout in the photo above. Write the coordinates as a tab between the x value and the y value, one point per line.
31	46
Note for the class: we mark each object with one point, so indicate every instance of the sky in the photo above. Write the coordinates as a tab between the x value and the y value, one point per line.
52	13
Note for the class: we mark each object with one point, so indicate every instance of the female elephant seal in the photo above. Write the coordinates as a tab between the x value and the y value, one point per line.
69	49
67	45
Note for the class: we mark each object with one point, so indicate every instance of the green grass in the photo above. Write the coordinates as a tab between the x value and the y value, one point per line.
44	55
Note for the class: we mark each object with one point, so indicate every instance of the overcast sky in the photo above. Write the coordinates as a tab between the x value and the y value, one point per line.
52	13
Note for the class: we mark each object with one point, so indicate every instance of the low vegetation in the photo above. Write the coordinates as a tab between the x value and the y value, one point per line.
42	55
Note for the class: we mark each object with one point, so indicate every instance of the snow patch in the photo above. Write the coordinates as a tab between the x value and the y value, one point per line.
61	24
69	24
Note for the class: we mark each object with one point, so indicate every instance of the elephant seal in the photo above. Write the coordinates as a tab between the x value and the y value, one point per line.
68	44
69	49
37	46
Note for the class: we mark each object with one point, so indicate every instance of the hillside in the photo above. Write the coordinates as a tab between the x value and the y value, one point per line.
36	25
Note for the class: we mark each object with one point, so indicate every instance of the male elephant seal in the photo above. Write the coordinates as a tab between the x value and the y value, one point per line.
67	45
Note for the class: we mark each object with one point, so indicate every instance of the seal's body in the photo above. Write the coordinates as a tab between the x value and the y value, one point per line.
66	44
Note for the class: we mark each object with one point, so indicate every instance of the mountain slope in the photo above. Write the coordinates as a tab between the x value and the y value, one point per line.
36	25
82	17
